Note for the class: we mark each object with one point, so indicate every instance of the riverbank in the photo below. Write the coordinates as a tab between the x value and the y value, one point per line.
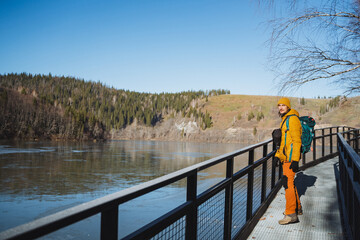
186	130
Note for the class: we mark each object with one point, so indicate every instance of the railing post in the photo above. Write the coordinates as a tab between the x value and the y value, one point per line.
314	146
264	175
331	141
228	199
250	189
337	139
110	223
303	159
323	143
191	216
357	220
273	171
349	160
350	202
356	132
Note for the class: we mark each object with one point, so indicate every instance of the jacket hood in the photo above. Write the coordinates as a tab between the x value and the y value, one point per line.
291	112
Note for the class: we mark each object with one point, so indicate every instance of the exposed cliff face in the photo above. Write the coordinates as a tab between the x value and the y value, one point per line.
186	130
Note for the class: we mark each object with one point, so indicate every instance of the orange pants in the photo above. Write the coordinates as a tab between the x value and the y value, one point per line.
291	195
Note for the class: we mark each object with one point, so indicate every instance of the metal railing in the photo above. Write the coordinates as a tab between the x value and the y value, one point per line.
349	181
324	146
228	210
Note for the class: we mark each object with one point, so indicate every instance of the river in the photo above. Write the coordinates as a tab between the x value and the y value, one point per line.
41	178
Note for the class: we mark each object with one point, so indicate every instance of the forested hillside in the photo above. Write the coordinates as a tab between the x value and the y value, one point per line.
51	107
46	106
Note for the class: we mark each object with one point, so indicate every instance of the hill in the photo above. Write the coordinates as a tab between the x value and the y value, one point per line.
47	107
245	119
236	111
249	119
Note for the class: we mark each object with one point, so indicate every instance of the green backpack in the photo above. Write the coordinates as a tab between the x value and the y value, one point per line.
308	132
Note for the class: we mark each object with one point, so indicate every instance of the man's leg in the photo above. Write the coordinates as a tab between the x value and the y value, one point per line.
291	196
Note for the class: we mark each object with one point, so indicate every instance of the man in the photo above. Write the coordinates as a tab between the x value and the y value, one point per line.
289	155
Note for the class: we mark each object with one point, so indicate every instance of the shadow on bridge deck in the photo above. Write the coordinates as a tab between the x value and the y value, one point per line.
318	195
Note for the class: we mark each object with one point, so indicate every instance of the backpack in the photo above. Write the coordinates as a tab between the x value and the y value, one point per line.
308	132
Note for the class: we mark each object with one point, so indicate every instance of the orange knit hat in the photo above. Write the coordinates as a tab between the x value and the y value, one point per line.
284	101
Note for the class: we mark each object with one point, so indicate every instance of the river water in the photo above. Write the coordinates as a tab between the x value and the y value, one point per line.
41	178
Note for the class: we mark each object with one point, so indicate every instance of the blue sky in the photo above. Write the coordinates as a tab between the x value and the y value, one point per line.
144	45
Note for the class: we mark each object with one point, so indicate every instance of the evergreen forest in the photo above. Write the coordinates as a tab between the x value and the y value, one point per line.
46	106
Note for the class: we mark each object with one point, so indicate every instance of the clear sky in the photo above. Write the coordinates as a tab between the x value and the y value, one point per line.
144	45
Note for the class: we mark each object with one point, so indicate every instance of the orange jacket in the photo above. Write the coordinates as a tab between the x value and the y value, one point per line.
290	140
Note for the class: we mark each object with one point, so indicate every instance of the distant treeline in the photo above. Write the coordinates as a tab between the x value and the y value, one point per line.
92	105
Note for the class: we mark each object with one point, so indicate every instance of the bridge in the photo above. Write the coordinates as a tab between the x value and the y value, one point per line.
318	194
245	203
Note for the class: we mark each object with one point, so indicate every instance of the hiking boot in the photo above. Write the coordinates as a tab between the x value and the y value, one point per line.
292	218
300	212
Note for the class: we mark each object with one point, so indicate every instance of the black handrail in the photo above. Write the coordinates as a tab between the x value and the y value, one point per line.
230	189
349	181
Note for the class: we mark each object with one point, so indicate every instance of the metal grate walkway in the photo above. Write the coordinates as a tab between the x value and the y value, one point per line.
318	196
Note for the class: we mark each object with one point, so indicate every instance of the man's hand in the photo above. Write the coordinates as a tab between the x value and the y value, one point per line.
294	166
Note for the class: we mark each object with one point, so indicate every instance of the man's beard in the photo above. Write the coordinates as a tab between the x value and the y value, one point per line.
283	114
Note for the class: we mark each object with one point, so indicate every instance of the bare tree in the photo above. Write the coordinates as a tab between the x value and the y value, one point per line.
317	43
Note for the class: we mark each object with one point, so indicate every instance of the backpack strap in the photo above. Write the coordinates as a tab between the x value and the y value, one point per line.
287	119
287	129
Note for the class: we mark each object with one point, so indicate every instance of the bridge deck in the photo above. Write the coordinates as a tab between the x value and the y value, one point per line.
318	196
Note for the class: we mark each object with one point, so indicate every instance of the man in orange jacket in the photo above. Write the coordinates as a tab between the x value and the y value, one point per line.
289	155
